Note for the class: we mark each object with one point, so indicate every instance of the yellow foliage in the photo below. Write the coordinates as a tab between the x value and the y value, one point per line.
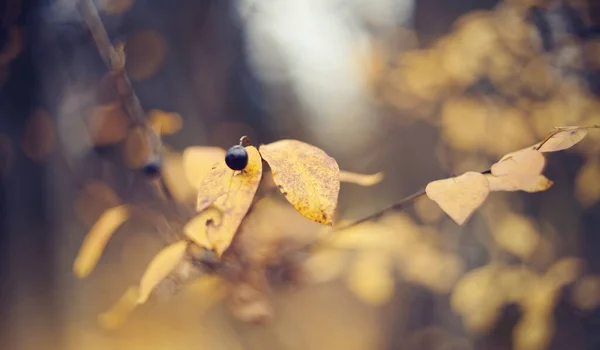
370	277
527	162
95	241
196	228
323	266
586	293
198	161
587	186
459	196
517	235
160	267
360	179
164	123
118	313
231	192
307	177
519	183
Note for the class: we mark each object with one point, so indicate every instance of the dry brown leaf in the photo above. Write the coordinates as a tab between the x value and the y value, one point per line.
160	267
198	161
459	196
306	176
370	277
95	241
530	184
164	123
232	193
196	228
360	179
526	162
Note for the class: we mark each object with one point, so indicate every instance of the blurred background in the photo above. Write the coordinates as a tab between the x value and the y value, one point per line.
417	89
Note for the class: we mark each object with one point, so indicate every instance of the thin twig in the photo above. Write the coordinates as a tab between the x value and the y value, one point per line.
401	204
115	61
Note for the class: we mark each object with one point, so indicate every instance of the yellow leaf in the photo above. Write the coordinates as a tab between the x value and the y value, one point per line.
533	332
95	241
370	278
306	176
160	267
323	266
563	138
196	228
173	173
587	186
517	235
198	161
586	293
164	123
526	162
364	235
530	184
206	291
360	179
459	196
232	193
119	312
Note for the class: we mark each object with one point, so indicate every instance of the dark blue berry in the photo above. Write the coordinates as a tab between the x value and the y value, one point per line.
152	168
236	158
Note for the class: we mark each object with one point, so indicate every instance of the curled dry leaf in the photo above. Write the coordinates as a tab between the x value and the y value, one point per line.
370	278
95	241
232	193
119	312
160	267
459	196
530	184
306	176
196	228
360	179
198	161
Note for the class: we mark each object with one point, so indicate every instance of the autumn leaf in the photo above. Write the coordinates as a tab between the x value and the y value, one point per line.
530	184
306	176
173	173
323	266
119	312
95	241
527	162
232	193
360	179
198	162
459	196
562	138
160	267
196	228
370	278
164	123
